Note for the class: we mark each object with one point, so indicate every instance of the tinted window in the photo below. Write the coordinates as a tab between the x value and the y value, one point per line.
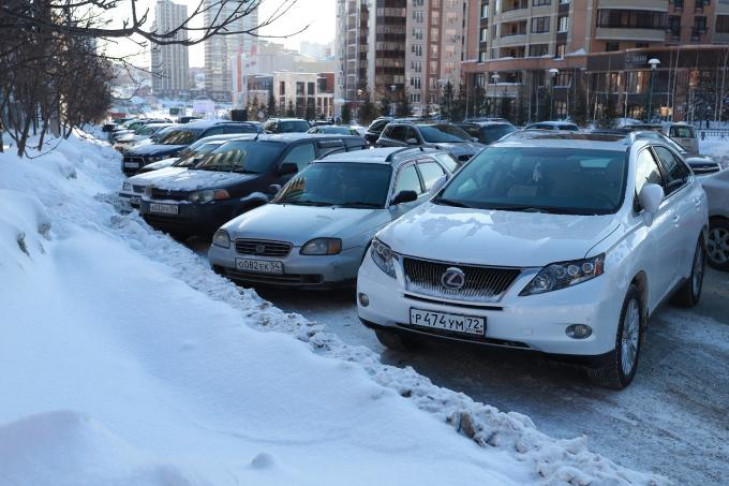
682	132
558	180
338	183
490	134
292	126
180	137
377	126
431	172
326	146
676	173
647	171
443	134
396	132
407	180
240	129
301	155
250	157
213	131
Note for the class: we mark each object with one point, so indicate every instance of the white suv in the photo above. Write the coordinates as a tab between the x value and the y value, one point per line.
559	243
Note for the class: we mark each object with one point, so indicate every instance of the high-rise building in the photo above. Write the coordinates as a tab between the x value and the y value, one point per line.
170	63
352	48
544	58
221	51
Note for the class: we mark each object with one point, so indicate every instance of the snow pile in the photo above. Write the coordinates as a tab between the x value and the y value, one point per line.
716	148
127	361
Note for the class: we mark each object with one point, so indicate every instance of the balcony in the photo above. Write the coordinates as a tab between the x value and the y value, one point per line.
652	5
637	35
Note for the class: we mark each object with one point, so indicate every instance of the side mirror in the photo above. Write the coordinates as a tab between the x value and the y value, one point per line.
274	189
404	197
438	185
650	198
287	168
412	141
474	139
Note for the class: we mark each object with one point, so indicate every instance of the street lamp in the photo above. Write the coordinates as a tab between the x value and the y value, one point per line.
359	101
654	64
494	80
552	73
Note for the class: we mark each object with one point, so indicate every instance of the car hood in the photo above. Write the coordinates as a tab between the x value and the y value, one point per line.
195	180
151	177
299	224
154	150
164	163
500	238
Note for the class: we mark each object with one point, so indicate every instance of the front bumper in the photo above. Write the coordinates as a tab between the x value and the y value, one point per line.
191	219
305	271
536	322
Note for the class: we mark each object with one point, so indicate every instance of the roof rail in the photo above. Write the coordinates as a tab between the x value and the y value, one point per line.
337	150
403	149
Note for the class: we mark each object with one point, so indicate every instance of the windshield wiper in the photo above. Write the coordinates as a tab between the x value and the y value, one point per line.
450	202
307	203
360	204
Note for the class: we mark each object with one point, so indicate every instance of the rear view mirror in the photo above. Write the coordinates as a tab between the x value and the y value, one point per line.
650	198
288	168
404	197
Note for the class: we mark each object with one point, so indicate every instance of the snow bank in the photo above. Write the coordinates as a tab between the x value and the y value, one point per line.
127	361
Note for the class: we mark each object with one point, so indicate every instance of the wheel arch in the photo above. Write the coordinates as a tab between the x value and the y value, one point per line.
640	280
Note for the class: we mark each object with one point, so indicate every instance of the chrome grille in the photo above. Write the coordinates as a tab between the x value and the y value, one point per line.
481	284
169	194
263	248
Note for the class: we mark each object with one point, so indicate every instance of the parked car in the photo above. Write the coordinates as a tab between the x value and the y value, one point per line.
337	129
232	179
142	133
375	129
682	133
179	138
487	132
286	125
315	231
716	186
553	125
133	187
440	135
546	242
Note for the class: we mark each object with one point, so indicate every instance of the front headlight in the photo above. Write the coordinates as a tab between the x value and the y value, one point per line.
207	196
126	186
322	246
384	257
221	238
565	274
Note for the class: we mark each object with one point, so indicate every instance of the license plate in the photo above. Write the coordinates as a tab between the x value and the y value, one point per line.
448	322
259	266
131	165
164	208
135	200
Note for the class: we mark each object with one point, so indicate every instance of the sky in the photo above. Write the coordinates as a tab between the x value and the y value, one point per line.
318	14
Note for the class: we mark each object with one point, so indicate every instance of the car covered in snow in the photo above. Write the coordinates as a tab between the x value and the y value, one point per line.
179	138
315	231
232	179
557	243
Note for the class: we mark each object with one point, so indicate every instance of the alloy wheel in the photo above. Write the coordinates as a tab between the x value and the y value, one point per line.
630	337
717	247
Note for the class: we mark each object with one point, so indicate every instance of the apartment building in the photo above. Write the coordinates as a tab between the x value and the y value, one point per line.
527	54
310	95
221	51
170	63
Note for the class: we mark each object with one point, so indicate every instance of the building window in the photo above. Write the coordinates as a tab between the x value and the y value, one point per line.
418	16
300	88
485	11
641	45
612	46
699	6
539	3
700	24
417	49
417	33
677	5
282	88
484	35
631	19
538	50
540	25
674	25
560	51
722	24
563	23
310	89
483	56
417	66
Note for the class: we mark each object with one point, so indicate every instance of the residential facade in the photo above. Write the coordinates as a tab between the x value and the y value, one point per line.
170	63
221	51
309	95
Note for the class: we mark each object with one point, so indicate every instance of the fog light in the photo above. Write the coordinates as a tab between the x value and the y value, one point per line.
579	331
364	301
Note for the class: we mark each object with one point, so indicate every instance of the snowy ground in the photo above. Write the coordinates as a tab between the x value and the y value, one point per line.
127	361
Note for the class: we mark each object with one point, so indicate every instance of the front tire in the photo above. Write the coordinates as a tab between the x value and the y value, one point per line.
395	340
689	293
620	366
717	246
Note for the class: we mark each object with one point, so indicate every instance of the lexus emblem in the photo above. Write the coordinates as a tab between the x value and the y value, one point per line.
260	249
453	278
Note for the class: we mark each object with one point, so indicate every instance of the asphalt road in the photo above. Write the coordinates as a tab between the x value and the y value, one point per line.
673	419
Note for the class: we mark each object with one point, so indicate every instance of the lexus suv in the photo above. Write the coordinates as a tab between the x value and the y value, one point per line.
554	242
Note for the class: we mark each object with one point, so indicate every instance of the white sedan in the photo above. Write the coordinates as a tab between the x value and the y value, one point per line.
564	244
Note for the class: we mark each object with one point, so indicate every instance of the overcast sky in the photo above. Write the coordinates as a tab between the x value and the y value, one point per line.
319	14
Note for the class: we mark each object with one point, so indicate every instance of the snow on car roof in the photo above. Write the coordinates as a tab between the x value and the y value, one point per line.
379	155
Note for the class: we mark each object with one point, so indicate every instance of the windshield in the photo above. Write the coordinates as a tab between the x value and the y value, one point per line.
246	157
338	184
491	133
554	180
195	153
293	126
161	133
443	134
180	137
